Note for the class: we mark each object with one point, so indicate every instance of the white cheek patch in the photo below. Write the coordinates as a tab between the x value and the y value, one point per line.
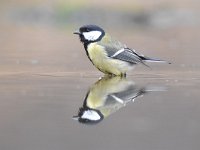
92	35
91	115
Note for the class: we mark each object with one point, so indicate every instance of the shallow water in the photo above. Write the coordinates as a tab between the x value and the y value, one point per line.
36	112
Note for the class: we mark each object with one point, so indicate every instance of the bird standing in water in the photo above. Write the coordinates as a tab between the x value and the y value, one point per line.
108	55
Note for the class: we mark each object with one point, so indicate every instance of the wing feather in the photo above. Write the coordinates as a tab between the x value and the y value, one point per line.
117	50
128	56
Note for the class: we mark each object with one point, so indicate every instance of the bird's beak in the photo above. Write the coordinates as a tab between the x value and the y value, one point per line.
75	117
77	32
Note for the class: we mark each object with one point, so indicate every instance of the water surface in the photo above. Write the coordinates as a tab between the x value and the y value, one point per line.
37	110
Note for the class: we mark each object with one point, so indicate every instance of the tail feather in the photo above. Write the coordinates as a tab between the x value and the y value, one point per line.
148	59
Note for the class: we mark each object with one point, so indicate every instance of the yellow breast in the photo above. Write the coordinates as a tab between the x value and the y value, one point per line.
100	59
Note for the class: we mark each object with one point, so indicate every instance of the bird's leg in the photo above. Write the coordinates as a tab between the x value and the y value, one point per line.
123	75
109	75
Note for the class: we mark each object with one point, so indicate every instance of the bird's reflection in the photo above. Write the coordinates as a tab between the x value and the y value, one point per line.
106	96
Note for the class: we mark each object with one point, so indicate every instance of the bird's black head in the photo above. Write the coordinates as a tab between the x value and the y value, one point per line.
90	33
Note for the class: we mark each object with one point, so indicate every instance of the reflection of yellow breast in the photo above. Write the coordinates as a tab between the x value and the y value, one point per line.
100	59
95	100
98	95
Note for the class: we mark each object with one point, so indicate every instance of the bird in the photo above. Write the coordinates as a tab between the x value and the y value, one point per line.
108	54
107	96
110	94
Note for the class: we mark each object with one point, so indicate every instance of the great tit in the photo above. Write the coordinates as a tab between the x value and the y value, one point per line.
107	96
109	55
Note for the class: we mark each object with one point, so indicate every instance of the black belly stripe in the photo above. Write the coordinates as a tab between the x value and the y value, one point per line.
86	46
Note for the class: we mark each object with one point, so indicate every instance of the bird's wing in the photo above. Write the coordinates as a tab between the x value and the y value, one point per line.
117	50
123	53
127	55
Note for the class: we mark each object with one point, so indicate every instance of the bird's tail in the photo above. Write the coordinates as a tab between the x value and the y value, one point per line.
148	59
